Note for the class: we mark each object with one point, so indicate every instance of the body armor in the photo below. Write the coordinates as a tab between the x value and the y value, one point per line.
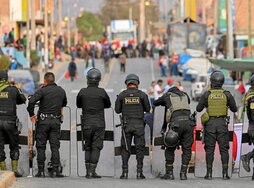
132	105
217	103
177	103
7	105
249	102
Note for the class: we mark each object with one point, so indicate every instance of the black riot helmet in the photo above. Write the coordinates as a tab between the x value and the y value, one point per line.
3	75
93	76
171	139
252	80
217	79
132	79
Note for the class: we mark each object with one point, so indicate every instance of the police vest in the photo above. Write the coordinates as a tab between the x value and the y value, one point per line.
177	103
7	106
217	103
249	102
132	105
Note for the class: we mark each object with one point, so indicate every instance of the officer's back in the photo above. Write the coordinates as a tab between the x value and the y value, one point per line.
93	100
52	98
10	96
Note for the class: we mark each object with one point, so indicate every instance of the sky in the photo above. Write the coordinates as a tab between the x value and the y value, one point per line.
93	6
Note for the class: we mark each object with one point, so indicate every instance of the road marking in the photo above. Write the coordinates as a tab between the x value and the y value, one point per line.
152	69
60	79
107	76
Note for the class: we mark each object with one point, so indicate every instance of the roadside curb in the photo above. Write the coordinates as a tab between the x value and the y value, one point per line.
6	178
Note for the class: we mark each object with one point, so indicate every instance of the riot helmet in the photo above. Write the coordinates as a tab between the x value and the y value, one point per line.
252	80
132	79
217	79
3	75
93	76
171	139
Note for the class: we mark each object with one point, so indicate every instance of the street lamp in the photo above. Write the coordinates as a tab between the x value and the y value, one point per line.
147	3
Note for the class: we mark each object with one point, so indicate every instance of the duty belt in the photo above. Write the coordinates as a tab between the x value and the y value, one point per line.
214	117
44	116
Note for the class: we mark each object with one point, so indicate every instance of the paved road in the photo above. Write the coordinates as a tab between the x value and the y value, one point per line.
114	83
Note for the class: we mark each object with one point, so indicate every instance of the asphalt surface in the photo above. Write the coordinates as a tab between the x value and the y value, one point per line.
114	84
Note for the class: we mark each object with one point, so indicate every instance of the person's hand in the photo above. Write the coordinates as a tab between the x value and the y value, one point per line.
33	119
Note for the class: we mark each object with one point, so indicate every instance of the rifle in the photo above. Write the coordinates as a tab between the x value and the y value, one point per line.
122	124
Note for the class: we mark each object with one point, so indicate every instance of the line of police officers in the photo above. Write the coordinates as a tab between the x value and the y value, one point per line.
132	103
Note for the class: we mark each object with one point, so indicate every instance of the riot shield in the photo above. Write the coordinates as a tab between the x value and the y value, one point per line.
158	158
106	162
23	166
200	159
65	147
246	147
132	165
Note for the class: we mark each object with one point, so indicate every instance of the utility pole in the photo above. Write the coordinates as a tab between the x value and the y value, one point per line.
46	45
52	10
59	25
250	53
33	27
230	39
204	12
28	33
130	13
215	26
141	21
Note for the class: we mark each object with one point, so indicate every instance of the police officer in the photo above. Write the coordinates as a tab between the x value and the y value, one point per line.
52	99
249	104
10	96
177	115
132	103
216	101
93	100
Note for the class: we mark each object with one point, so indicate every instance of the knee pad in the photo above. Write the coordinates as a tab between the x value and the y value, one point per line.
14	155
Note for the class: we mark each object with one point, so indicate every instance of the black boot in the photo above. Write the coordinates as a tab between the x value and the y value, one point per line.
93	173
140	174
55	173
225	172
40	173
246	162
209	173
183	172
88	170
169	173
14	165
124	173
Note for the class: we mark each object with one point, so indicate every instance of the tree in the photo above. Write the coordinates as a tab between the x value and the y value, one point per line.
89	26
119	9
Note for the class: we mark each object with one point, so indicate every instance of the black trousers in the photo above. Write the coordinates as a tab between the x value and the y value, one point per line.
185	132
251	135
9	132
48	129
216	130
138	133
94	137
122	67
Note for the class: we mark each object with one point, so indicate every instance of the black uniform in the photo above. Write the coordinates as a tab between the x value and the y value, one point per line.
132	103
52	99
216	129
10	96
93	100
185	129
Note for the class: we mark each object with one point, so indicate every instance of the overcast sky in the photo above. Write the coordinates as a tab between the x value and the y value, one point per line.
95	6
88	5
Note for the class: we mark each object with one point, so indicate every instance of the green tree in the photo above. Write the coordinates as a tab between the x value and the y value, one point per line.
4	62
89	26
